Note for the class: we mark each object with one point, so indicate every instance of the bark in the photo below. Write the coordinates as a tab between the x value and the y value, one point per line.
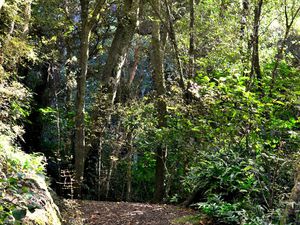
173	38
159	86
69	80
145	27
168	30
192	44
193	197
117	53
113	164
111	75
129	168
27	17
79	142
245	12
255	63
135	65
99	164
191	65
243	33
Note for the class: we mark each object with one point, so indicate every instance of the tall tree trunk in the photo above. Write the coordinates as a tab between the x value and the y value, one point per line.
79	142
191	71
99	164
159	85
173	39
115	61
129	167
27	17
68	101
191	65
244	50
119	47
255	63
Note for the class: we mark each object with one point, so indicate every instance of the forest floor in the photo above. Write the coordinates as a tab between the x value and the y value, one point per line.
77	212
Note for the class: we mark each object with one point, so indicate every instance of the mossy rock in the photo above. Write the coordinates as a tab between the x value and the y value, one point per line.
48	212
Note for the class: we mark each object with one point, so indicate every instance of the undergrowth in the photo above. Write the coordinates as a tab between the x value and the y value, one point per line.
17	172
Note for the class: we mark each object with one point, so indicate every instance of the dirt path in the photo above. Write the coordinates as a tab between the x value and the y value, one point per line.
123	213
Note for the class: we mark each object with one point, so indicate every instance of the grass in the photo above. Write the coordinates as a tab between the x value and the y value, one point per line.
190	220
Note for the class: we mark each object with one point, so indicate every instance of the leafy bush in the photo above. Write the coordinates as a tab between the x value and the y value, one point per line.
17	181
15	99
221	211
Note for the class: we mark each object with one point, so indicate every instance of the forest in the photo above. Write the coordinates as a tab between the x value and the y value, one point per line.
193	103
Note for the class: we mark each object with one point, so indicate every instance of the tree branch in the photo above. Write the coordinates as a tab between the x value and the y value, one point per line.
98	7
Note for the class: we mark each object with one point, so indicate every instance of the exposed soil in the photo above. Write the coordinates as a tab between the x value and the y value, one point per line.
122	213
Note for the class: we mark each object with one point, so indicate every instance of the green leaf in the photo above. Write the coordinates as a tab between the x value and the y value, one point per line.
19	214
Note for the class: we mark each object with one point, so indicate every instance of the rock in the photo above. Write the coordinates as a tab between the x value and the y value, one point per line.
47	213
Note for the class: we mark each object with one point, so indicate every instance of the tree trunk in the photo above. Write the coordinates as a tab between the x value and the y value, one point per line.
112	166
27	17
191	65
135	65
192	45
99	164
245	12
118	50
129	168
79	144
255	64
244	50
159	86
173	38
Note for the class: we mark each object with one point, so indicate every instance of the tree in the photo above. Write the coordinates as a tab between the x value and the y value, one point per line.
87	24
192	38
255	62
159	86
224	142
127	23
289	22
126	28
173	39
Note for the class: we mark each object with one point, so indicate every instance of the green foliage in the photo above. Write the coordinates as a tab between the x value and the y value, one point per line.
17	171
251	141
222	211
15	99
234	140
